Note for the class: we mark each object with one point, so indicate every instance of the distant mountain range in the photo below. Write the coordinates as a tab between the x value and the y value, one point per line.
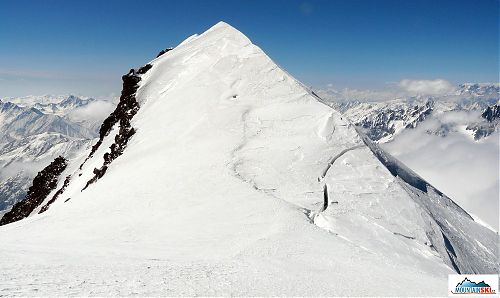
220	174
383	120
36	129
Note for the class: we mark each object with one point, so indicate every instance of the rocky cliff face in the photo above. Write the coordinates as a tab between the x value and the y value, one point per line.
382	121
492	113
124	112
387	123
44	182
489	125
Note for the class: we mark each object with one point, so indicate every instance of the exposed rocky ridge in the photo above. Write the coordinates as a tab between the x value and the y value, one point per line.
385	121
384	124
44	182
163	52
125	110
491	123
56	195
491	113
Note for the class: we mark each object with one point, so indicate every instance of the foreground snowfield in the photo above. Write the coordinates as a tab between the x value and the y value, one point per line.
220	192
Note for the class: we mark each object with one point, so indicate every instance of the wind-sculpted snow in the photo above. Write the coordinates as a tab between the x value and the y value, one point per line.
222	190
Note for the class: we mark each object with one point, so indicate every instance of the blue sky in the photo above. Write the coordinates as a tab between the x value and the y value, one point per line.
84	47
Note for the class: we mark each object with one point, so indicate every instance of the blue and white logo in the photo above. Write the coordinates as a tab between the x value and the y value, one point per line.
473	284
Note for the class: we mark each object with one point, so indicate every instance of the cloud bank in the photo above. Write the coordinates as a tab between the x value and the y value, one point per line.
465	170
402	89
92	112
426	87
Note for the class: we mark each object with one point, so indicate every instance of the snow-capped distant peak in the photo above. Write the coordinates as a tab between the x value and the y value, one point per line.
479	89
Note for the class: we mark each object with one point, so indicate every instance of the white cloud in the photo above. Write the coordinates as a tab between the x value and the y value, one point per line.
30	168
465	170
426	87
393	90
94	111
354	94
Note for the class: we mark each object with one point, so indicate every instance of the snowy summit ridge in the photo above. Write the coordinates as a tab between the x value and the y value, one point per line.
239	181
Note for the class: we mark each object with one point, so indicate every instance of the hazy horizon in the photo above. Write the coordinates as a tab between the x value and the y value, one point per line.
344	44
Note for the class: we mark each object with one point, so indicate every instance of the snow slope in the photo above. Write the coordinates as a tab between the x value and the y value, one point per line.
221	192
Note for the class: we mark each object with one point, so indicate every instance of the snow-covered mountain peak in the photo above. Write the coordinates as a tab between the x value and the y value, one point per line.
218	164
225	27
74	101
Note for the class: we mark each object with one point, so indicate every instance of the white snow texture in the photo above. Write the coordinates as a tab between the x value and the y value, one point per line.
221	192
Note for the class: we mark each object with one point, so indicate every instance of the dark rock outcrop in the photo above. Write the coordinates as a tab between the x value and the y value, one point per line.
56	195
491	113
163	52
44	182
489	125
382	124
98	173
124	112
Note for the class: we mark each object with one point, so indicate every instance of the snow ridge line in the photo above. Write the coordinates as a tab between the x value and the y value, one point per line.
444	236
332	161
